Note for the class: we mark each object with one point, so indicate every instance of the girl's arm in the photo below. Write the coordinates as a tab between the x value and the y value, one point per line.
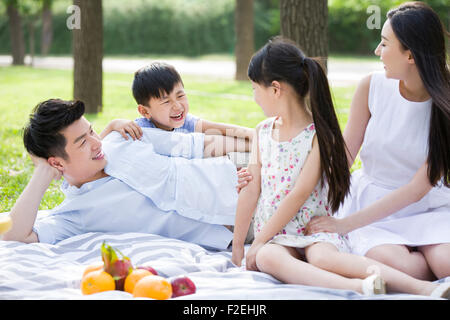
246	205
208	127
289	207
412	192
357	120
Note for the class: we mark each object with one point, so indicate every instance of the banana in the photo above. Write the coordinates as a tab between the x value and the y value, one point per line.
5	224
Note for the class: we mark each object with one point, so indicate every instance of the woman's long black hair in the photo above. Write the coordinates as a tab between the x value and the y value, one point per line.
419	30
281	60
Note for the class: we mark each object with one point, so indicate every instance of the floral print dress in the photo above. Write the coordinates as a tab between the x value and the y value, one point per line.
281	165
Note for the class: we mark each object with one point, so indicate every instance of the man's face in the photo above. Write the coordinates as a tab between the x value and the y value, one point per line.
86	160
169	111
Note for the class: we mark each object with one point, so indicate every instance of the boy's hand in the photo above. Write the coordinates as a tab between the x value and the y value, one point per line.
243	178
124	126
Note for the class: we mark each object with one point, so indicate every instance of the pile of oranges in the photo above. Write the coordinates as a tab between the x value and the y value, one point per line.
117	273
139	282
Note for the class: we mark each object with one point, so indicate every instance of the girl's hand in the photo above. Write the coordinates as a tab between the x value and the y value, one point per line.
250	261
124	126
243	179
237	255
325	224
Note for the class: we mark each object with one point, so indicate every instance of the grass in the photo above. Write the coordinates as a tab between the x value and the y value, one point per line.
21	88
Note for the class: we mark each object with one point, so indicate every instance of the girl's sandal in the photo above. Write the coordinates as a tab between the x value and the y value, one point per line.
373	285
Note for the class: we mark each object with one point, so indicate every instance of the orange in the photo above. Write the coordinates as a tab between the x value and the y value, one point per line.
93	267
134	277
154	287
97	281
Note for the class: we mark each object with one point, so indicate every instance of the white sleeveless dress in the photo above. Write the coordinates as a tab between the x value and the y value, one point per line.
281	164
394	148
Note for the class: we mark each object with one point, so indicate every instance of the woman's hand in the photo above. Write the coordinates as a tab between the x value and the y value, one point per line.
243	179
325	224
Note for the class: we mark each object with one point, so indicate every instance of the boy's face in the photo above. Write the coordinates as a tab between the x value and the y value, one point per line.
169	111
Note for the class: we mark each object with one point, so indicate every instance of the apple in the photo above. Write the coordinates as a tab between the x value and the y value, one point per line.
148	268
118	268
182	286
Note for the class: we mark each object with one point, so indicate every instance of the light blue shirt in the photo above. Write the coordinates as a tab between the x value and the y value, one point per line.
188	125
148	192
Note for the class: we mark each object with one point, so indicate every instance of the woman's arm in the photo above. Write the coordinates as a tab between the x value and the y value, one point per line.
357	120
224	129
412	192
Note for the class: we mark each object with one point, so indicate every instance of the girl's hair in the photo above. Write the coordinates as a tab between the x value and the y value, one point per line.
281	60
419	30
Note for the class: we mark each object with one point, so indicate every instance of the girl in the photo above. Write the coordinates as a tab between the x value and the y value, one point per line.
399	206
299	170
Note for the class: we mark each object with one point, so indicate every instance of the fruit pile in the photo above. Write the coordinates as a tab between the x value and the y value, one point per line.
143	281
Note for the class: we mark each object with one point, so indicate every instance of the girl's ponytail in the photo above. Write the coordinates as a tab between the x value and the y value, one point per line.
333	158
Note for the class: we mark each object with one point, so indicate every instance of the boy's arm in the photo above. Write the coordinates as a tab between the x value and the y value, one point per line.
224	129
123	126
246	205
23	214
218	145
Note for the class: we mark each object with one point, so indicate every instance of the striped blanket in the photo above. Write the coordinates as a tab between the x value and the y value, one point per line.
43	271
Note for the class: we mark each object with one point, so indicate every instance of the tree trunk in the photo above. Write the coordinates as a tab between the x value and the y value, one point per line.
16	34
88	55
244	48
47	27
31	33
305	22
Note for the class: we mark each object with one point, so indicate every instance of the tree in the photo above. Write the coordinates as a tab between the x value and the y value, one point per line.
88	55
305	22
244	37
47	27
16	33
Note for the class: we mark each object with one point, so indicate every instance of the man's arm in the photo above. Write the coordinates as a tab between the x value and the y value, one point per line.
23	214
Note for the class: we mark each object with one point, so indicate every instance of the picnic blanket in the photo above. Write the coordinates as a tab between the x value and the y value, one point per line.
44	271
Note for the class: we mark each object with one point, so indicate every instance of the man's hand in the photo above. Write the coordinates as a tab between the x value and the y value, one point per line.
42	164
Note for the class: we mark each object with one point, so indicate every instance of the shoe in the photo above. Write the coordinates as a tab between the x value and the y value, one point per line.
373	284
442	291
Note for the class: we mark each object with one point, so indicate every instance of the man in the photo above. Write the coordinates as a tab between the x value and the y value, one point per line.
123	186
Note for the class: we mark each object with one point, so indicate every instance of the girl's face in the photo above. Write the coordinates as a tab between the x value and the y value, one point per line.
264	97
395	59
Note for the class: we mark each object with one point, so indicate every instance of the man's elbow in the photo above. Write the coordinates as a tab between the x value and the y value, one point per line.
32	237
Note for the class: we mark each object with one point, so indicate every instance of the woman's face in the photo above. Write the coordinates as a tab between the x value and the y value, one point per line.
395	59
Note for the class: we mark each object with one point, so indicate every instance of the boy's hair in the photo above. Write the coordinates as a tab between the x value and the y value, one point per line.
154	80
42	135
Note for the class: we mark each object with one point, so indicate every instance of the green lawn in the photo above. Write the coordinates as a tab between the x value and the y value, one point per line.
21	88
